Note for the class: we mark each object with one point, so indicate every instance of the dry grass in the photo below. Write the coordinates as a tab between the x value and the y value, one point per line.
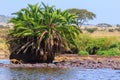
105	34
102	34
3	42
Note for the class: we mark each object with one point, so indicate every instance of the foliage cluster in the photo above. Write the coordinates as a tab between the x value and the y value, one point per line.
41	31
83	15
91	30
104	25
118	29
108	46
111	30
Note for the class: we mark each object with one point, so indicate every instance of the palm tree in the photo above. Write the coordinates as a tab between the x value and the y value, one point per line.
40	32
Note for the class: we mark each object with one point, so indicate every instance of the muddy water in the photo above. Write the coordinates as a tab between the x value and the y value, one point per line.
57	74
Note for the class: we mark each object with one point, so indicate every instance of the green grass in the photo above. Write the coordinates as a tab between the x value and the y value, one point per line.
107	46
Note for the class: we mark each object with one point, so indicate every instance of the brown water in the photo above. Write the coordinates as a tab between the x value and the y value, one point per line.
58	74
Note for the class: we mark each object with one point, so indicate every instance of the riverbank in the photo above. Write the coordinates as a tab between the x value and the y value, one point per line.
92	62
73	60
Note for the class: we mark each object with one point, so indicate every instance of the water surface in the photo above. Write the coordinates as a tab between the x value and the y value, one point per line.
58	74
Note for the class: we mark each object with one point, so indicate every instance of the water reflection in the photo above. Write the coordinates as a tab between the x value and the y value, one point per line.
58	74
5	74
39	74
5	61
31	74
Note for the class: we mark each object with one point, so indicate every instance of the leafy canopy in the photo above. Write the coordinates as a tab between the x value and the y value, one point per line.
42	28
83	15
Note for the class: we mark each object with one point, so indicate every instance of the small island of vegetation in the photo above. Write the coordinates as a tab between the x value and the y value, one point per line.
44	34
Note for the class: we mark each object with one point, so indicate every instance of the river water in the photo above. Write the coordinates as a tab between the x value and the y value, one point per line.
57	74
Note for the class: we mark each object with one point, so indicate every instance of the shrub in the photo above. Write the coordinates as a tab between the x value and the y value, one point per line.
99	44
104	25
82	41
91	30
119	45
118	29
102	52
82	53
111	30
92	45
92	50
110	52
115	45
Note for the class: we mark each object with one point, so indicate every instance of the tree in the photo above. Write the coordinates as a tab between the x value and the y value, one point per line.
83	15
40	32
103	25
118	25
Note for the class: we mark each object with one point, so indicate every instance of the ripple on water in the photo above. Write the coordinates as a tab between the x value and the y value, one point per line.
5	61
58	74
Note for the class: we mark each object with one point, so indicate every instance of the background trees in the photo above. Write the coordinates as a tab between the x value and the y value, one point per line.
83	15
103	25
40	32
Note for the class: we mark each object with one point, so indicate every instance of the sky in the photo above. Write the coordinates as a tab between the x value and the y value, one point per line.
107	11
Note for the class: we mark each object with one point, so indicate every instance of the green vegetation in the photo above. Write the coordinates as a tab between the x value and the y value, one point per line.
91	30
104	25
83	53
40	32
111	30
108	46
109	52
86	45
83	15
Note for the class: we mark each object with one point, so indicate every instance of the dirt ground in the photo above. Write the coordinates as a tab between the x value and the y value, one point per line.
68	57
73	60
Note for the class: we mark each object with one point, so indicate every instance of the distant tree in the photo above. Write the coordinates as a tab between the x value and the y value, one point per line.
103	25
4	19
91	30
118	25
83	15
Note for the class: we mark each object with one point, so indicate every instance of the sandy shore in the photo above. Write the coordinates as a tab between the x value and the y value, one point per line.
73	60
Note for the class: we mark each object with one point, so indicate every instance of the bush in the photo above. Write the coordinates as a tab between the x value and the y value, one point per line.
118	29
101	46
83	41
111	30
119	45
110	52
91	30
115	45
82	53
